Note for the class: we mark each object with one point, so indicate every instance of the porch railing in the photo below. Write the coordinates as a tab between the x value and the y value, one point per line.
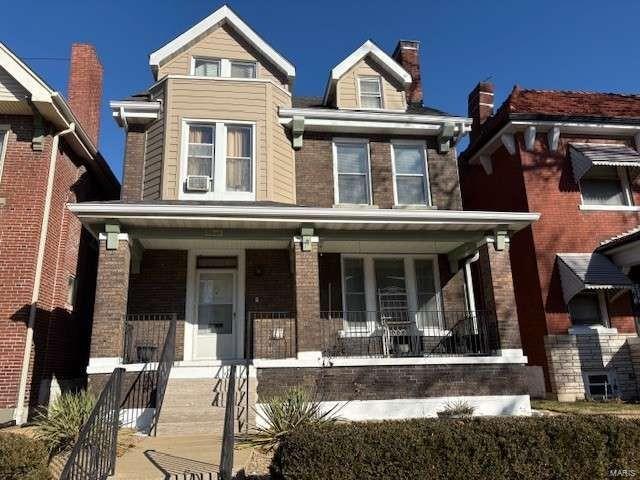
93	457
274	334
405	333
144	336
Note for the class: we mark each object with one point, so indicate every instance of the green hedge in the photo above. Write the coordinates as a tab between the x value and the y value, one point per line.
502	448
22	458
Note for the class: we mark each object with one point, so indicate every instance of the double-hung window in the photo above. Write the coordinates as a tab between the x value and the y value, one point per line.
219	161
370	92
223	67
351	168
606	186
410	171
206	67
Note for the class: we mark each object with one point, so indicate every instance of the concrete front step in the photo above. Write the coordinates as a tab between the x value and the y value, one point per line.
214	428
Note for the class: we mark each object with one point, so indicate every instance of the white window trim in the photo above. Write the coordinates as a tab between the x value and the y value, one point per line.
336	192
625	183
370	282
358	90
427	183
5	130
225	67
219	191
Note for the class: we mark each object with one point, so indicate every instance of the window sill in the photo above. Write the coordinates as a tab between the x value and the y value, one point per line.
354	205
418	206
611	208
591	329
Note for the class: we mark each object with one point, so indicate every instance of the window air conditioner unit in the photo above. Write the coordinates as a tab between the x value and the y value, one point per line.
198	183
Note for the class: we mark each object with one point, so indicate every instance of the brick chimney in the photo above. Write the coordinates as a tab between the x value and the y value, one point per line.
480	106
85	88
407	54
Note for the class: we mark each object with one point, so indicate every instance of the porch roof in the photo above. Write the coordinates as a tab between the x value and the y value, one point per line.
265	215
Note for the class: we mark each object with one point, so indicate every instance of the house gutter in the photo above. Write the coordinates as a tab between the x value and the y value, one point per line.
20	413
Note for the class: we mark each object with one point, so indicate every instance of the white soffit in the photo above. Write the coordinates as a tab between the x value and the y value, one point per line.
367	48
223	15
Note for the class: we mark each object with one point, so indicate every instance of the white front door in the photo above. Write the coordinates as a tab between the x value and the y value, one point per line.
216	305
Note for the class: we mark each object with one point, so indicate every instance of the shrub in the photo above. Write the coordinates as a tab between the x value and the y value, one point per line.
457	409
22	458
59	425
294	410
526	448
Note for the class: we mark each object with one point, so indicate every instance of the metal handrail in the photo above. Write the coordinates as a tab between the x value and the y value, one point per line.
164	369
93	456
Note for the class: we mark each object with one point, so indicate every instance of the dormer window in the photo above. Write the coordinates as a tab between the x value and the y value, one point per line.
206	67
223	67
370	92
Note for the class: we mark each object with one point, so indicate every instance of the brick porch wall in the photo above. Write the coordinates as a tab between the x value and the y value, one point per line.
391	382
307	295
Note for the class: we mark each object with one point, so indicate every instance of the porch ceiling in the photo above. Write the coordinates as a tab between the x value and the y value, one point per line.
161	219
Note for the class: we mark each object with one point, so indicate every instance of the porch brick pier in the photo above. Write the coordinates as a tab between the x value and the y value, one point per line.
307	296
497	285
112	285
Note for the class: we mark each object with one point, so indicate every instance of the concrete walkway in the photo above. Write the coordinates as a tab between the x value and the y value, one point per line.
176	457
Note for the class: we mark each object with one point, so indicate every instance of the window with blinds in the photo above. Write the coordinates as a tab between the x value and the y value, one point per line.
351	166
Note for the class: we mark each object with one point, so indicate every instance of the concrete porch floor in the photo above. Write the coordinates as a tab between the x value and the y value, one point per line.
176	457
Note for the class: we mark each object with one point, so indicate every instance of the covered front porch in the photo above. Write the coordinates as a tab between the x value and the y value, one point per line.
300	285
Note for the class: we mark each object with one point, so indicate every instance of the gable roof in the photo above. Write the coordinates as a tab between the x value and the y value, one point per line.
382	58
224	15
53	107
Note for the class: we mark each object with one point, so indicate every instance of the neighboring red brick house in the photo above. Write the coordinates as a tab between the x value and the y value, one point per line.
572	157
48	157
319	241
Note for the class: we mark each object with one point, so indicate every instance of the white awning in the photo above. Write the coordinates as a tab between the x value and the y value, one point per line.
589	271
585	156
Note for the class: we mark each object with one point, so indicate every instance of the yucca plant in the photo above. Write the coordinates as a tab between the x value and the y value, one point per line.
296	408
59	425
457	409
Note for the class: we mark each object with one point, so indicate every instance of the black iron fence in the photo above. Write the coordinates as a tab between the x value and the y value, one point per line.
274	334
144	336
406	333
165	363
93	456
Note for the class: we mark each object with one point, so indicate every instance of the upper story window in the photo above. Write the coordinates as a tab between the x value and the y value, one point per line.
243	69
352	183
206	67
3	146
223	67
411	182
370	92
219	161
606	186
587	309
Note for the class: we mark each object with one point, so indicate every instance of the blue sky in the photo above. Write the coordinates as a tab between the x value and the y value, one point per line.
577	45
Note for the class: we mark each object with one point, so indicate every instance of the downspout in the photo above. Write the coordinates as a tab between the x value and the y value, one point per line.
20	414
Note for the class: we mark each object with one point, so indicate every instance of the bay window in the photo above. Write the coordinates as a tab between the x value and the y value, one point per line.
351	171
219	161
411	183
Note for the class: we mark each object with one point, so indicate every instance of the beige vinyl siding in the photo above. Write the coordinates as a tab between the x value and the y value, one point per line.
221	42
10	89
152	184
393	96
229	100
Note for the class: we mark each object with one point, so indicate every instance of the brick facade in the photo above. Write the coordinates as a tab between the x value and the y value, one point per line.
133	170
308	334
314	172
391	382
111	300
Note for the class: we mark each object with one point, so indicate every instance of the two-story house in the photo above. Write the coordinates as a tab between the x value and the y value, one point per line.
573	157
48	157
321	241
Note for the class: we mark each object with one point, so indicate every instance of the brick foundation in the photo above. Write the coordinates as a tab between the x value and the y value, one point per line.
568	356
392	382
